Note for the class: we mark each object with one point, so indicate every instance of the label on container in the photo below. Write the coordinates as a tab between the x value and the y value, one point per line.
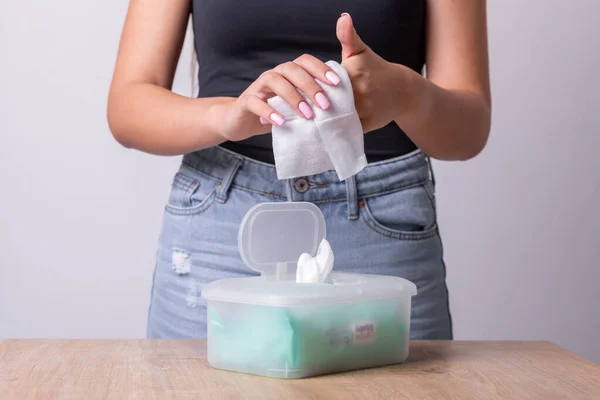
363	332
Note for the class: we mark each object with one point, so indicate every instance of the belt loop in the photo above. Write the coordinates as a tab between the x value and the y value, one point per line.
288	189
352	198
225	184
431	171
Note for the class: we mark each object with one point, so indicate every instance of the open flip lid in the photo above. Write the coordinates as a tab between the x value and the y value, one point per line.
272	237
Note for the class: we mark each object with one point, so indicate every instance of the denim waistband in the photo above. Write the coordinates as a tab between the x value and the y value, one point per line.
234	170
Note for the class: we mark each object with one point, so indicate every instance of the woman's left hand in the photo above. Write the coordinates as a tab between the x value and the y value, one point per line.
375	82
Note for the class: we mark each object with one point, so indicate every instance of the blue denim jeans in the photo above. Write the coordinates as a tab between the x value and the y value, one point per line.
382	221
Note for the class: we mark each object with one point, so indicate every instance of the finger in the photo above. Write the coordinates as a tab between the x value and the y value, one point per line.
352	44
262	109
318	69
304	81
274	82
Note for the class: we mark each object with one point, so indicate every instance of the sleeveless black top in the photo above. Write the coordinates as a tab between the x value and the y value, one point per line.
238	40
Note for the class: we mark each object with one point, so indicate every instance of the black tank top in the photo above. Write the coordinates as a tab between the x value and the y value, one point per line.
237	40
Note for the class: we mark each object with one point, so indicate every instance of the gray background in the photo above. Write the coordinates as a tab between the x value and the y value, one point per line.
79	215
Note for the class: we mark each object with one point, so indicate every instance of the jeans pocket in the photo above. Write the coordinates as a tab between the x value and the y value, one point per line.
190	193
406	214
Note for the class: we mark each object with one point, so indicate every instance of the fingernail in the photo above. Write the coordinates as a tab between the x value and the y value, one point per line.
306	110
263	121
277	119
322	101
332	77
345	13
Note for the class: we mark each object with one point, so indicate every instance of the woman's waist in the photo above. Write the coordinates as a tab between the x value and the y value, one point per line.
382	144
255	176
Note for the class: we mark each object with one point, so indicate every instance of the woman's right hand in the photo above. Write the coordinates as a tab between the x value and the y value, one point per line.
250	114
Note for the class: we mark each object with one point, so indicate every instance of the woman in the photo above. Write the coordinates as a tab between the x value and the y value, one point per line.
381	221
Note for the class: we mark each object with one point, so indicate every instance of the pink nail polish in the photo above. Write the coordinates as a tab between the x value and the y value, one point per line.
277	119
306	110
322	101
332	77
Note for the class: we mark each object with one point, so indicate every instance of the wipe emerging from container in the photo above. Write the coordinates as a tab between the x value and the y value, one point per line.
315	269
283	324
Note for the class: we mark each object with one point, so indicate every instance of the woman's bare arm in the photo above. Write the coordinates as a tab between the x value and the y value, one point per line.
143	112
451	116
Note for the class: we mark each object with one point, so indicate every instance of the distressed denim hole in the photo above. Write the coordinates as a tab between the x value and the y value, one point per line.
181	262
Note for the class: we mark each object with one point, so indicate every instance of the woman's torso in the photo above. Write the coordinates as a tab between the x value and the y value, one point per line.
237	41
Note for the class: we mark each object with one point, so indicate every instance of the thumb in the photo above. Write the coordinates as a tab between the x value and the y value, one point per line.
346	34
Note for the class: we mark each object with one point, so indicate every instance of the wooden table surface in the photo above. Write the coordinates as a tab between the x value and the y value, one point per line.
173	369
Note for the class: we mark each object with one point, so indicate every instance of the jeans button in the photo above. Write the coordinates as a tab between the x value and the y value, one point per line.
301	185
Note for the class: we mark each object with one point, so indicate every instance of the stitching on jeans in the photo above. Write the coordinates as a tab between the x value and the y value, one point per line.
267	194
450	322
183	182
191	191
395	189
398	235
181	177
200	171
330	199
258	192
203	206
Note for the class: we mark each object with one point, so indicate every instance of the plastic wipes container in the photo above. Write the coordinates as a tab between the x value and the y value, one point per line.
272	326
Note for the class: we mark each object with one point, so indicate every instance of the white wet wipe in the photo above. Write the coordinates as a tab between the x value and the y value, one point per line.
332	139
315	269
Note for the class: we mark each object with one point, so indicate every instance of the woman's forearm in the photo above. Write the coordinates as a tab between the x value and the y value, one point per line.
446	124
155	120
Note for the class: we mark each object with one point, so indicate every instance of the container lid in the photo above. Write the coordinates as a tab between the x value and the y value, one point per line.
274	235
342	287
